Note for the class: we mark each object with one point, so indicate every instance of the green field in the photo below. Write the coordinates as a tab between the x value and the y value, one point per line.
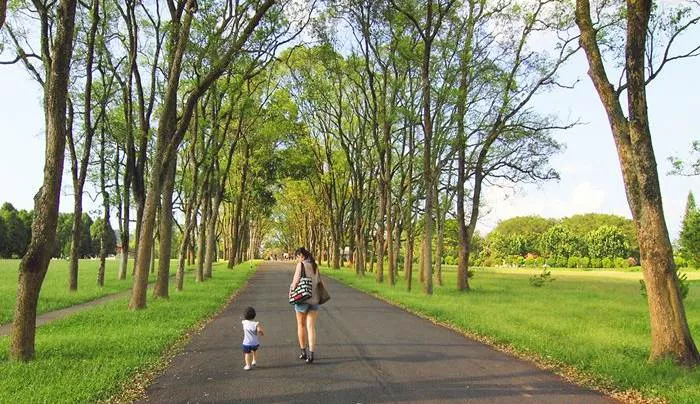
593	321
96	353
54	291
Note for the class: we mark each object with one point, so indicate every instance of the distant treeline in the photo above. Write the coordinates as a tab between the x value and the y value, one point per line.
581	241
16	231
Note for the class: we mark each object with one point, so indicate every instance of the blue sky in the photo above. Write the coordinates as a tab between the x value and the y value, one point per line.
590	173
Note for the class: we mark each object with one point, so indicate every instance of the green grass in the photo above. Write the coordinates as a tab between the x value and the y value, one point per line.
94	354
54	291
594	321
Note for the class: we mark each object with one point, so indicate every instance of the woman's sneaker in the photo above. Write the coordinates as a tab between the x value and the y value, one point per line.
303	355
310	357
246	367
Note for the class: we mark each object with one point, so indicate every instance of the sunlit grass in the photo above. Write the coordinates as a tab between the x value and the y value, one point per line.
90	355
54	291
595	321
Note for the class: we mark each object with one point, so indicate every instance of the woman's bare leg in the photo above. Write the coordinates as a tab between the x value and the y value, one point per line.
311	317
301	329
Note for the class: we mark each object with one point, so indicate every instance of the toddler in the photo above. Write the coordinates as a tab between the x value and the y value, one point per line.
251	331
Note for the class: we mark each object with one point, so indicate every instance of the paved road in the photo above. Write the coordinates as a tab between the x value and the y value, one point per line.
369	352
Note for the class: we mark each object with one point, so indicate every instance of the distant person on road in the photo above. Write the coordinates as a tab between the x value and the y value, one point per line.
251	331
307	311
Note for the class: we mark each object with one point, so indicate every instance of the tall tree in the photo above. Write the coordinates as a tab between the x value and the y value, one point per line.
670	333
35	262
428	27
79	166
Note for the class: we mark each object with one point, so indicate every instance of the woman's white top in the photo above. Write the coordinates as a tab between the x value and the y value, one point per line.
250	333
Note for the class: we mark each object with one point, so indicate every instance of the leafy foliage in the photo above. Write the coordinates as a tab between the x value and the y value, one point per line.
542	279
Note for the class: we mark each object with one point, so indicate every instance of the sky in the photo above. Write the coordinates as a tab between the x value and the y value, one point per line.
591	180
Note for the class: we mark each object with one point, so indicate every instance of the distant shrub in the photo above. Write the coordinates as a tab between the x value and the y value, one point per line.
621	263
596	263
450	260
542	279
539	262
607	263
562	262
584	262
529	261
488	262
572	262
515	260
551	261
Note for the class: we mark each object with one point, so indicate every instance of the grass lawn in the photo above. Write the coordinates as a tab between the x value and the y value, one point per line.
54	291
96	353
594	321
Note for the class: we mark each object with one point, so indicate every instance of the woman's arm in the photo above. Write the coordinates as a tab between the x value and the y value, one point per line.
297	277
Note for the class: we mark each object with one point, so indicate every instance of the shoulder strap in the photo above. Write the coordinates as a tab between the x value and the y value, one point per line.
303	270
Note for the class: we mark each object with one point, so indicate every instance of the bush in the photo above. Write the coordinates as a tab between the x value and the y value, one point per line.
488	262
551	261
596	263
562	262
584	262
539	262
572	262
529	262
542	279
450	260
621	263
607	263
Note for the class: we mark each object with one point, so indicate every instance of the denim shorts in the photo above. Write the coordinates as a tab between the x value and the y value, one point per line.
249	348
304	307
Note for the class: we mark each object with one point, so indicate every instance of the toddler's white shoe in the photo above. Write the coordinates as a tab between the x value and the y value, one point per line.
246	367
254	363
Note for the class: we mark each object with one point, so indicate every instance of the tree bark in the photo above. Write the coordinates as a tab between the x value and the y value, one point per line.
201	239
35	262
211	236
670	333
166	233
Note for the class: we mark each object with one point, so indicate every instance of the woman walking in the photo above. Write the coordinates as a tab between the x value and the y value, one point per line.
306	312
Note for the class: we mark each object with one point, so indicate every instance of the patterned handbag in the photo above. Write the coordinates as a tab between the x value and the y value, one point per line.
303	289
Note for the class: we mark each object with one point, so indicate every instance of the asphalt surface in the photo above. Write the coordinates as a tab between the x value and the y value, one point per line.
368	352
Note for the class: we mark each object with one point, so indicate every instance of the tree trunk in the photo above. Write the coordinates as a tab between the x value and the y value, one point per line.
202	238
124	230
211	236
34	264
408	260
105	212
670	333
76	234
166	233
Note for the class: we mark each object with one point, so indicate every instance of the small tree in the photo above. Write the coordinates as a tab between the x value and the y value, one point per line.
690	235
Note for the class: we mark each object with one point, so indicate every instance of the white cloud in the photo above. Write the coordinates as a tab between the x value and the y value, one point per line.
502	203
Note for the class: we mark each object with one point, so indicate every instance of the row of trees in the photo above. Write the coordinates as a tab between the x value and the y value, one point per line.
168	109
413	108
189	114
